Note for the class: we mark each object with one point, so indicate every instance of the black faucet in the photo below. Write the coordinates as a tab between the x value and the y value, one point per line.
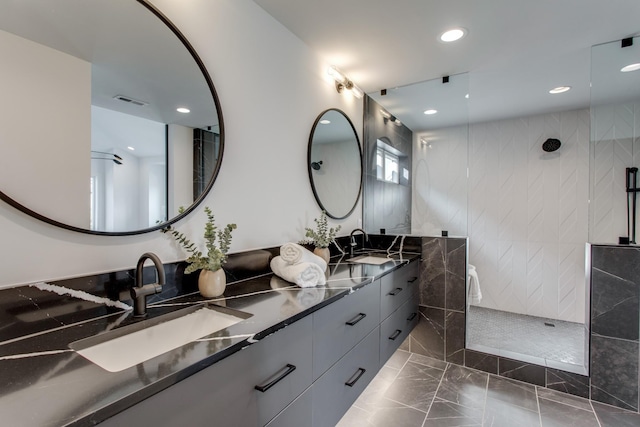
352	240
139	291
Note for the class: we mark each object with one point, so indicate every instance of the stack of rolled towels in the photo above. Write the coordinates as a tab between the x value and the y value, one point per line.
299	265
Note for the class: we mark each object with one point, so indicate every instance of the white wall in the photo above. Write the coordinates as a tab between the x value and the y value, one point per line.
271	88
45	147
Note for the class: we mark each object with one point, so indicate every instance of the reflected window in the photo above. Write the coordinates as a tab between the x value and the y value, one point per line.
387	165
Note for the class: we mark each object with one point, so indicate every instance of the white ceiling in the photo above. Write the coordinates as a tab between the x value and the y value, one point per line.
515	50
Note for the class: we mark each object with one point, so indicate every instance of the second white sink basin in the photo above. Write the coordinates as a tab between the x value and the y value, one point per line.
371	259
123	348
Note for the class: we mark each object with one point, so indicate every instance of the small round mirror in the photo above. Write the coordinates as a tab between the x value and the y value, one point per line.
334	161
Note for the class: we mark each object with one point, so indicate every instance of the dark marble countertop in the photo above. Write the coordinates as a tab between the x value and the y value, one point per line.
46	383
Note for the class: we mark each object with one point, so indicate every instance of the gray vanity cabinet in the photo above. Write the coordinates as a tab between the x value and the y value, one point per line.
397	287
336	390
225	394
338	327
399	294
297	414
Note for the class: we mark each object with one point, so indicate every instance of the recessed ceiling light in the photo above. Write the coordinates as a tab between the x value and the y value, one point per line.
560	89
453	35
183	110
430	111
631	67
131	148
325	122
467	96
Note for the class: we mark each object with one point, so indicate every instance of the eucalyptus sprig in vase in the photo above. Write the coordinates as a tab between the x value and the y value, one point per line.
322	236
212	280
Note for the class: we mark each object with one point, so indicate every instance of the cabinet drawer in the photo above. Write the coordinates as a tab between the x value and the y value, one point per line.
297	414
396	328
224	394
396	288
335	391
341	325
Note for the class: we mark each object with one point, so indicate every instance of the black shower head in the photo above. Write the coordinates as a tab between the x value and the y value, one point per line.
316	165
551	145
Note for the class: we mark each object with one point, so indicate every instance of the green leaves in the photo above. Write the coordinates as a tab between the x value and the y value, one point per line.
322	236
215	255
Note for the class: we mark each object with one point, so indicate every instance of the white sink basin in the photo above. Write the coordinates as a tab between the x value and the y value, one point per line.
123	348
371	259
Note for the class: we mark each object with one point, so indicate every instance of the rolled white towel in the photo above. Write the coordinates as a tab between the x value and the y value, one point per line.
475	294
293	253
303	274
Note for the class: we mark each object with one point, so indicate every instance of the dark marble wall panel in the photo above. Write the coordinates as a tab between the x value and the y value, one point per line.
481	361
385	205
523	371
456	274
433	272
614	305
567	382
454	337
614	372
427	338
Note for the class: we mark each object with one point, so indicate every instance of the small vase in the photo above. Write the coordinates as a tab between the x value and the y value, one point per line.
323	253
212	283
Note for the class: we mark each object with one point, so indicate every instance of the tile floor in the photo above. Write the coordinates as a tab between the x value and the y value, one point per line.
513	333
416	391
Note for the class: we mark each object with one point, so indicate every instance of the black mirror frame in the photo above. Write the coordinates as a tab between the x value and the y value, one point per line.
309	168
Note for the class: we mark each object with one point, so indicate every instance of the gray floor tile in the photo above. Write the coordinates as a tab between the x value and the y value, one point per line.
428	361
498	413
512	392
554	414
388	414
415	386
610	416
449	414
463	386
371	397
398	359
564	398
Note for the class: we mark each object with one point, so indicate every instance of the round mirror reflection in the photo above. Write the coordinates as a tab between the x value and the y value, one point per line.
110	121
335	163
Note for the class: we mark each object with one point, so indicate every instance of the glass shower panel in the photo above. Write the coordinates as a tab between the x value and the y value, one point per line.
615	141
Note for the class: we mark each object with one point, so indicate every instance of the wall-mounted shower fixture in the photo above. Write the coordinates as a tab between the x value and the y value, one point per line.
316	165
551	145
107	156
632	192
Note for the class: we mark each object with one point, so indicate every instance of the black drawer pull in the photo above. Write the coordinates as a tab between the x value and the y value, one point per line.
287	370
413	316
395	335
356	319
412	280
354	379
395	292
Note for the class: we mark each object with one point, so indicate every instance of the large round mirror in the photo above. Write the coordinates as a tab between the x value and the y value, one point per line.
335	163
109	121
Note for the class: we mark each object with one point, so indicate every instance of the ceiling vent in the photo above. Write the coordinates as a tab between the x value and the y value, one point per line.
130	100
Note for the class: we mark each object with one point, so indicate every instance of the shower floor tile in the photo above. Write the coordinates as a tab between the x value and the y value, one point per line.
527	338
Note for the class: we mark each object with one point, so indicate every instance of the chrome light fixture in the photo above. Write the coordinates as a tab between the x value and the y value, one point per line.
343	83
98	155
